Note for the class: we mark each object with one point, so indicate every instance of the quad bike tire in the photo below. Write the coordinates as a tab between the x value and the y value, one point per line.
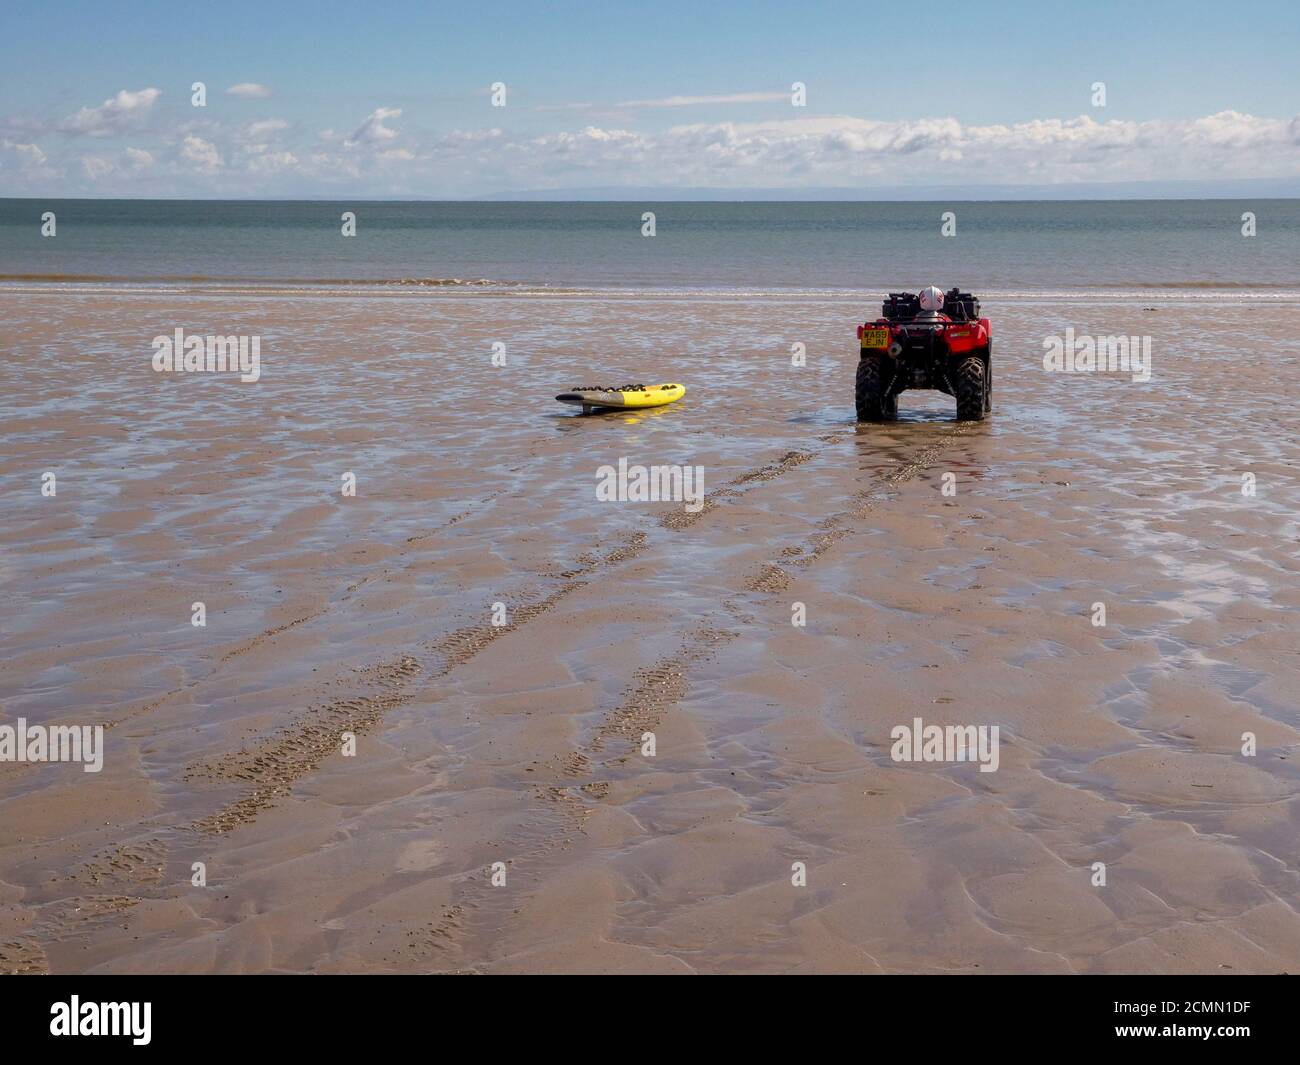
870	392
988	379
971	389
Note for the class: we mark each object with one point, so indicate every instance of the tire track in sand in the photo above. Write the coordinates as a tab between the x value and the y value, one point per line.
275	765
655	690
297	749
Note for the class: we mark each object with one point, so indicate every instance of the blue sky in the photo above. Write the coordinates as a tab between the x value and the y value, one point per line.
392	98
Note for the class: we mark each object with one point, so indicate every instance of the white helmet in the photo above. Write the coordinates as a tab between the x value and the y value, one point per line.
931	299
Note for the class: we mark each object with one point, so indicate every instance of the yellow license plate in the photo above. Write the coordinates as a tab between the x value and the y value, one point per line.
875	338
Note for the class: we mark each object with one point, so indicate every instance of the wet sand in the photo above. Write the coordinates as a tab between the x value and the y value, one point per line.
521	743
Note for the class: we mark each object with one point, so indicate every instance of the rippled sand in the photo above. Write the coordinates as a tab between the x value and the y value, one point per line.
520	744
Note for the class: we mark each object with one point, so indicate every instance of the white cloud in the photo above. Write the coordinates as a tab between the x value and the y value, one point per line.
1230	129
202	154
249	90
265	162
265	157
115	115
30	154
854	151
472	136
373	130
729	98
95	167
260	130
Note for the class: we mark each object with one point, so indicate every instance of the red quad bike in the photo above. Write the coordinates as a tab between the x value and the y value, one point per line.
930	339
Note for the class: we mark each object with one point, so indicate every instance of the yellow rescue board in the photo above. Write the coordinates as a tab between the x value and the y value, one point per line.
627	397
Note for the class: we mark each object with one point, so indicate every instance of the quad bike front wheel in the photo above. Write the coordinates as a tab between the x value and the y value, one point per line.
971	390
871	395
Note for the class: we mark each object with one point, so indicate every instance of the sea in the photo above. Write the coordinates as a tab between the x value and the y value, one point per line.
1184	249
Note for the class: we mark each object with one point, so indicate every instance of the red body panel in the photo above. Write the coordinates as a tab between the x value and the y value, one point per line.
962	337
